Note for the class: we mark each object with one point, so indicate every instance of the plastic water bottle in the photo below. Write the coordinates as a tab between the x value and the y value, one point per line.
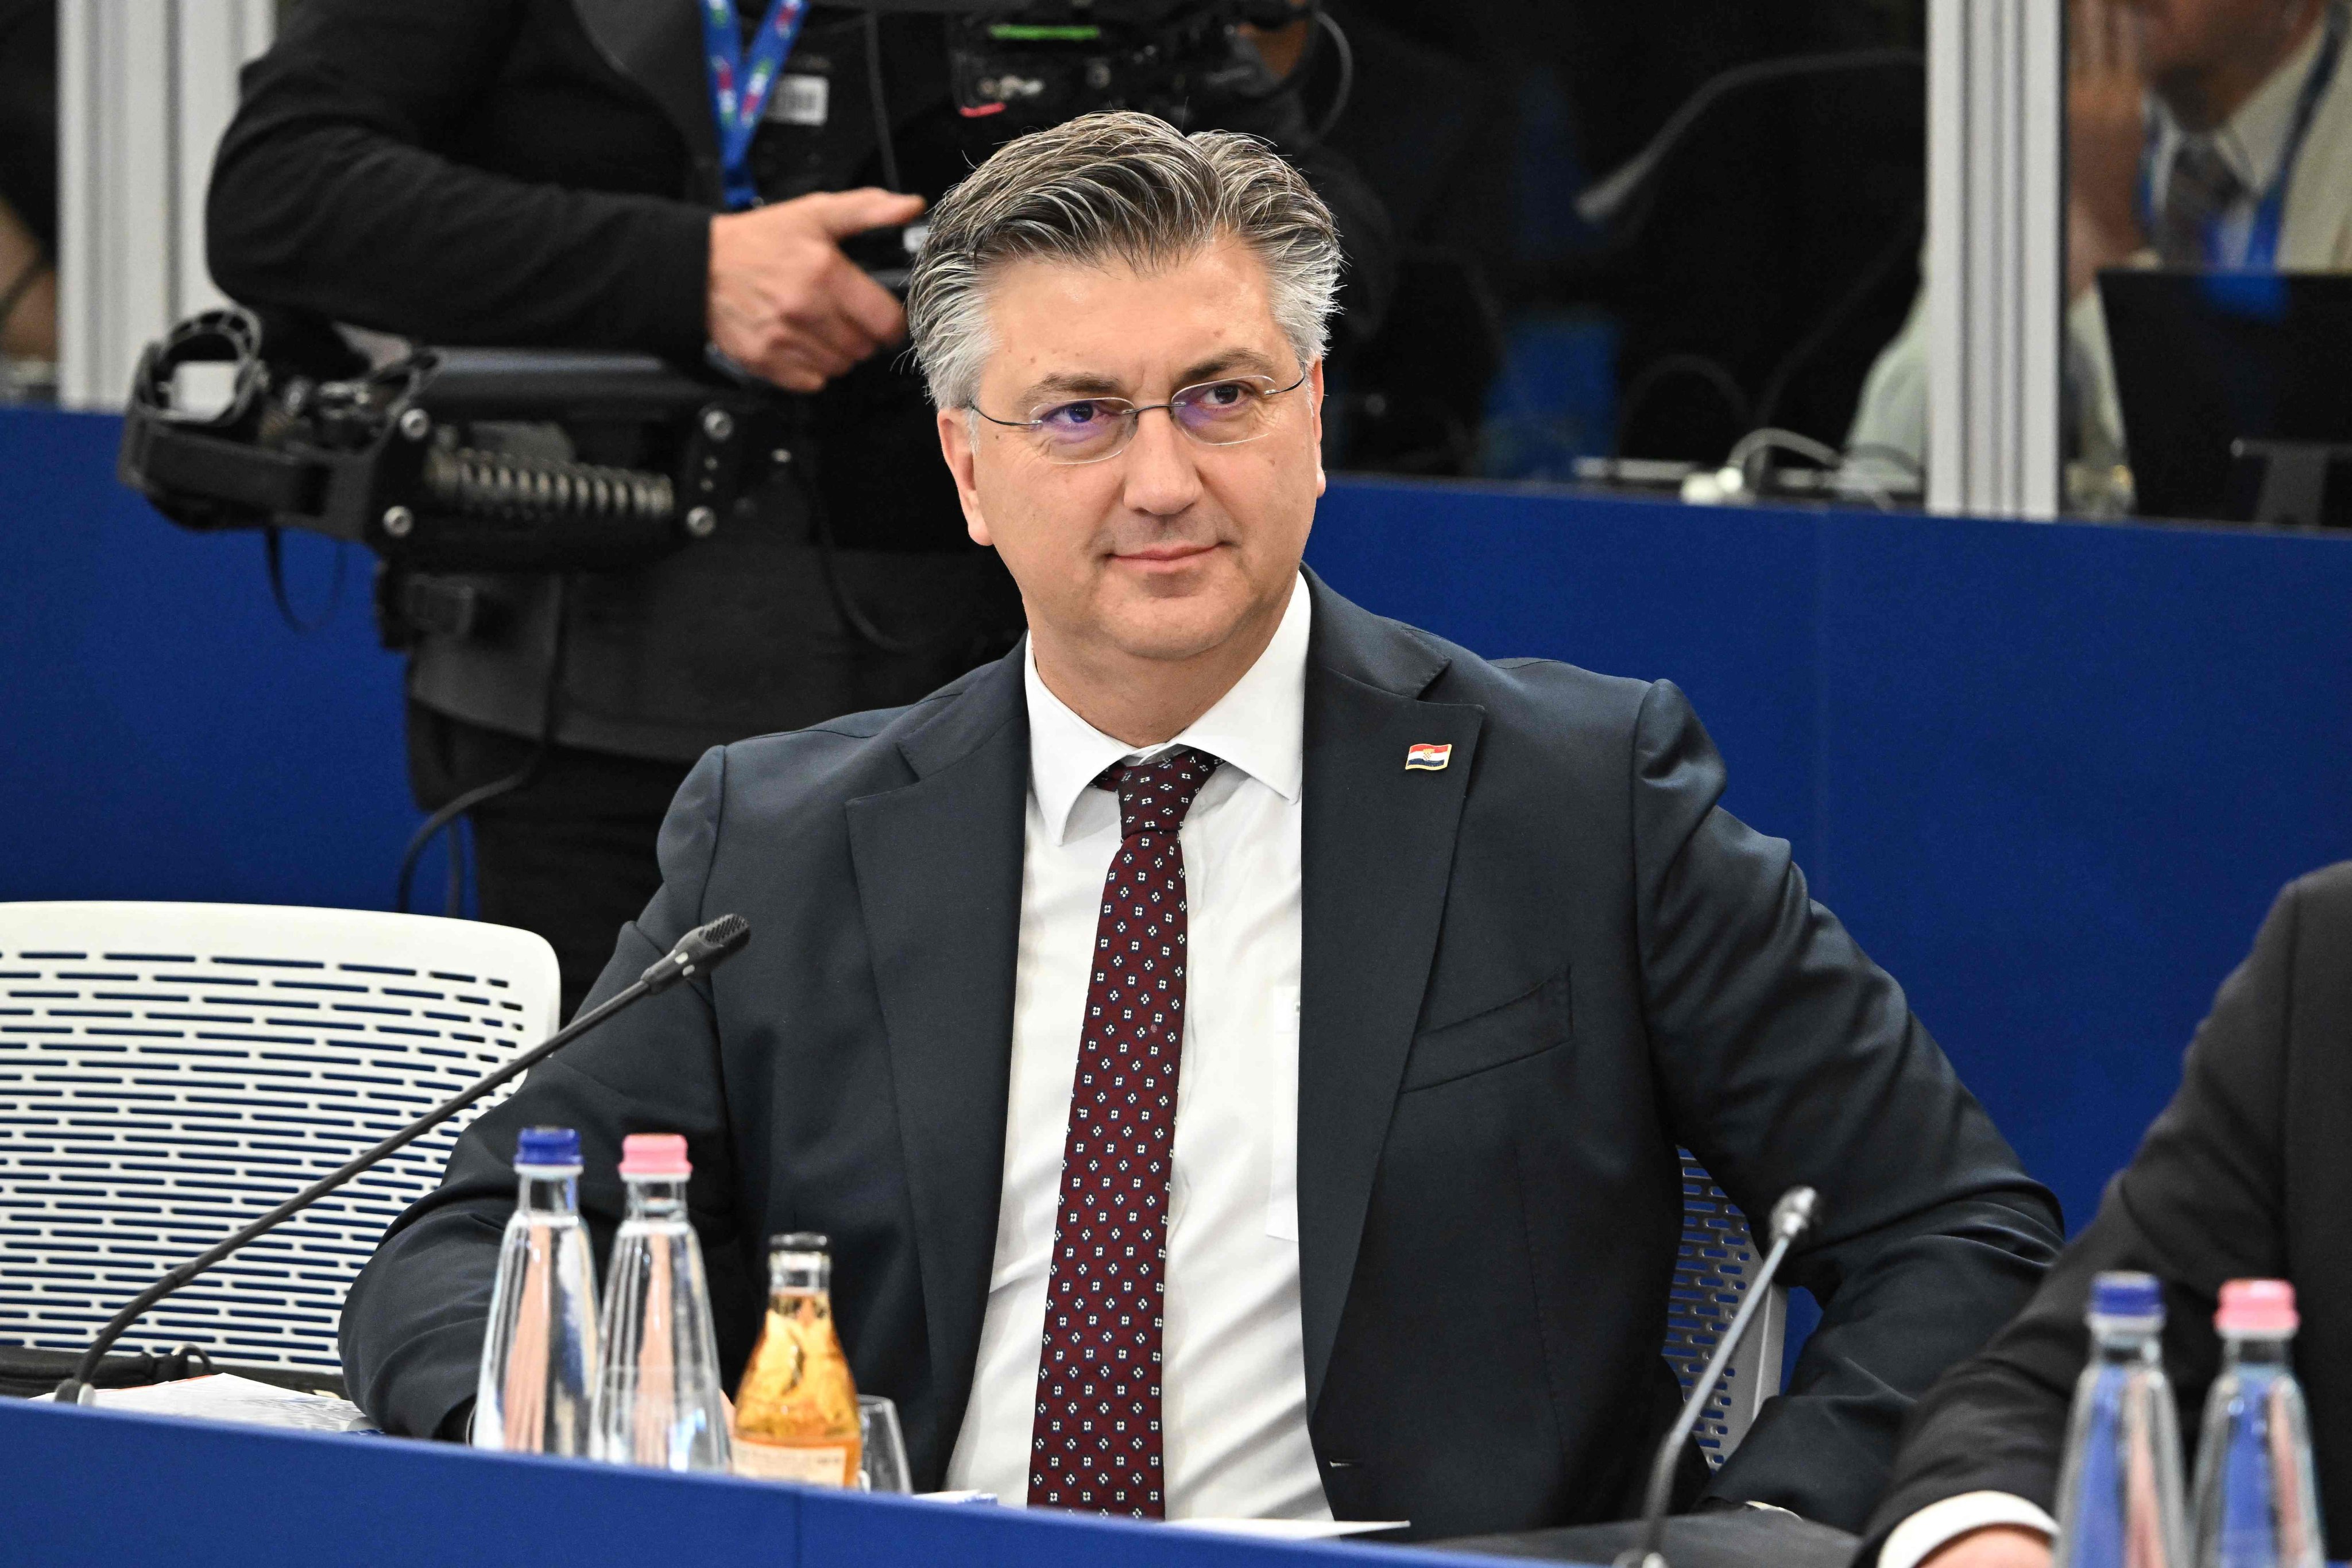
2255	1503
659	1401
2119	1491
539	1357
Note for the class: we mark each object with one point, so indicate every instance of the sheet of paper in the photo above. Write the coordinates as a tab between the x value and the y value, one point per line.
225	1396
1291	1528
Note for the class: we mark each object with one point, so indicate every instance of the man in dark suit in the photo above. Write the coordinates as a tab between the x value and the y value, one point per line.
1445	957
2245	1175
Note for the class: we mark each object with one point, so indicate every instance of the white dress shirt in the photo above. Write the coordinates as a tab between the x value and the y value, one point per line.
1233	1377
1933	1526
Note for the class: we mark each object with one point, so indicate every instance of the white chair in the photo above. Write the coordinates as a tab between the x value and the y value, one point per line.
170	1070
1717	1260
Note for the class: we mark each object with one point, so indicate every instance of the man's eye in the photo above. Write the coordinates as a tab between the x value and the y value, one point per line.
1075	416
1220	397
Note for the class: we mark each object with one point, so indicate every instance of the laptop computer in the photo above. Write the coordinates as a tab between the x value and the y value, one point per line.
2228	382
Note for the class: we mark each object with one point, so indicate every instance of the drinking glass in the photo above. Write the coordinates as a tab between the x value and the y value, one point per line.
884	1465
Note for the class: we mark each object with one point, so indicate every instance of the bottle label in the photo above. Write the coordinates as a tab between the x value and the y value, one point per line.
818	1465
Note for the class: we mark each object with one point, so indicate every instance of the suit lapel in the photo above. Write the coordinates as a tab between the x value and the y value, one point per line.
1377	851
938	866
658	45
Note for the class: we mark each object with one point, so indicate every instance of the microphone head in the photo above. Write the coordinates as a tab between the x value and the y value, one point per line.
1799	1210
707	946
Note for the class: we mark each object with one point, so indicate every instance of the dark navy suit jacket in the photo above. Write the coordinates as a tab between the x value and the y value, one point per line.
1526	977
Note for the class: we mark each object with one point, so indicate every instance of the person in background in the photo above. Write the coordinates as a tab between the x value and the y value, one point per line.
2206	134
550	173
28	195
2245	1175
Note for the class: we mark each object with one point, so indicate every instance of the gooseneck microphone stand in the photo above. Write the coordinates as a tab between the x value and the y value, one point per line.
1796	1213
700	950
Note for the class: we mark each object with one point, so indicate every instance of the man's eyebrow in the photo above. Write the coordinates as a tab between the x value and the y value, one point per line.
1081	383
1247	361
1070	383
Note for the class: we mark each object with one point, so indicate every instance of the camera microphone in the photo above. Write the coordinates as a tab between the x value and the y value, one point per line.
697	953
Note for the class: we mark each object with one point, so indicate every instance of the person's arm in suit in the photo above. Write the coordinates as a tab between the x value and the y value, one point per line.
2200	1203
413	1325
336	191
1783	1055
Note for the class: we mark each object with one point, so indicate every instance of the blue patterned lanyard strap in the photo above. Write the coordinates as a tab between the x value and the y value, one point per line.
741	82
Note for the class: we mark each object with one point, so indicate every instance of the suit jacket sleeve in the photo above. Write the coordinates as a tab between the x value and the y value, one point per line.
335	193
413	1325
1785	1056
2201	1202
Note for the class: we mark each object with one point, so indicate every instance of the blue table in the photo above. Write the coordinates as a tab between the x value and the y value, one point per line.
106	1489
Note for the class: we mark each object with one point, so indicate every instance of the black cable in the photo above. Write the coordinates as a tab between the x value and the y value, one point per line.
1347	88
273	551
1834	319
1657	373
483	793
1605	201
884	140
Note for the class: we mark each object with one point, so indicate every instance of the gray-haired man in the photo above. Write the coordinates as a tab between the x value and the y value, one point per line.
1237	1044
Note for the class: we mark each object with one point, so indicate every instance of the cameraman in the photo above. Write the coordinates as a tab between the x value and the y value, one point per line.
554	173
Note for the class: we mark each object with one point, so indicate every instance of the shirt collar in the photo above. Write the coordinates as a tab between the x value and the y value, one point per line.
1257	726
2253	141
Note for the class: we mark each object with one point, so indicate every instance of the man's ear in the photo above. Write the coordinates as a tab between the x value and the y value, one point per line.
956	446
1314	389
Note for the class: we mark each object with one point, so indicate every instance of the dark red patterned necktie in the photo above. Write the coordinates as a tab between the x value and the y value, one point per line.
1095	1442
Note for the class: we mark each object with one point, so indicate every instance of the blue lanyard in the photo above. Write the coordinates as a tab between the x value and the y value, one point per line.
2270	215
740	83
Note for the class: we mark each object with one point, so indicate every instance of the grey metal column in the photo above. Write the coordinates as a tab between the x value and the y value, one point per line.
1996	258
144	90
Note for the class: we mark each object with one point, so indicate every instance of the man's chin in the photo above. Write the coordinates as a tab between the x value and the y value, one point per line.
1172	630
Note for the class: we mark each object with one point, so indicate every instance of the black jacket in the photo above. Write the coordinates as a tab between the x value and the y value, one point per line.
543	173
1525	979
2247	1174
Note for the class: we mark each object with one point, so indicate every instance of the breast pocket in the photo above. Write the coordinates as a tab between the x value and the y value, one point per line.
1526	1025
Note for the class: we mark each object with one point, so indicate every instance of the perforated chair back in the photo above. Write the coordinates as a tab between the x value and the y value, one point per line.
1717	1260
171	1070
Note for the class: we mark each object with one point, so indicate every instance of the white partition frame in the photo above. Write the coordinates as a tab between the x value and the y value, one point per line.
1996	249
144	90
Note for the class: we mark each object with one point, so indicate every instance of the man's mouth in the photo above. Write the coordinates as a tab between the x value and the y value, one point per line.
1162	554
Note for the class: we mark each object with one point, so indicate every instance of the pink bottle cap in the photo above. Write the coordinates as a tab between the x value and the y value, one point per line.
661	1154
2257	1307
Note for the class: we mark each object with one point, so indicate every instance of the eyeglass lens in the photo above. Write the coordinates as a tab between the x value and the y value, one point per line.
1216	414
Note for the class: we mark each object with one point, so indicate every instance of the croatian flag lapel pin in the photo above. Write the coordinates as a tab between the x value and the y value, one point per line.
1426	756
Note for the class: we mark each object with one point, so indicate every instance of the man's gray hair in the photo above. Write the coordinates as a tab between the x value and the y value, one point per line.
1115	187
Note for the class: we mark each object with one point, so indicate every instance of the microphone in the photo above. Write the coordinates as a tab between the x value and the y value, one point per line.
1603	199
700	951
1798	1211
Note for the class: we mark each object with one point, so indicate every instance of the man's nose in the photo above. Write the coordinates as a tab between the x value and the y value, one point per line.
1162	477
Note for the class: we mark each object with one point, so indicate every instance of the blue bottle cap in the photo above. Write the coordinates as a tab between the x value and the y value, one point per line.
2126	1295
547	1146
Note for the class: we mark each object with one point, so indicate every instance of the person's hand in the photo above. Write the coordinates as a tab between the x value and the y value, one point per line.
785	303
2105	133
2000	1546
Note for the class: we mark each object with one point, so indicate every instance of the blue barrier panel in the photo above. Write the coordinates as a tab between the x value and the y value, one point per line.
97	1488
167	735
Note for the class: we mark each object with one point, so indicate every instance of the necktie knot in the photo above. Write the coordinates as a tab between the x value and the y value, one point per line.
1154	796
2199	192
